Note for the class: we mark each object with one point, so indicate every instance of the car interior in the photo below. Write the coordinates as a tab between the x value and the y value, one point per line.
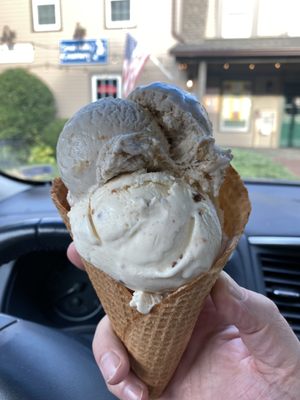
46	300
239	59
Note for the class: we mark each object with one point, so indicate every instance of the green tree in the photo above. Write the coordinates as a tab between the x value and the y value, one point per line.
26	106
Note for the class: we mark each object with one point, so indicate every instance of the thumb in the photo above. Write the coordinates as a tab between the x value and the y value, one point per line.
262	328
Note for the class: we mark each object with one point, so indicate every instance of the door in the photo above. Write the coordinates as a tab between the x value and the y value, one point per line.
290	129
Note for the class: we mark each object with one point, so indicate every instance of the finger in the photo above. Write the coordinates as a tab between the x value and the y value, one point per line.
110	354
74	257
113	361
264	331
130	388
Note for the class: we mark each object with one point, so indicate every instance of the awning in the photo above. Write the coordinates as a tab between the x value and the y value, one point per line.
239	50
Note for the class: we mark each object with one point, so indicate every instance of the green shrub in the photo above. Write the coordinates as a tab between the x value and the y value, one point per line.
26	106
52	131
41	154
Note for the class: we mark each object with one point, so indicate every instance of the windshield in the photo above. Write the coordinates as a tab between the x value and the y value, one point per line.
239	60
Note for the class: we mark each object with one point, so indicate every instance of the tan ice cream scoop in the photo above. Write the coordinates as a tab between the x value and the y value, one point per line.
149	231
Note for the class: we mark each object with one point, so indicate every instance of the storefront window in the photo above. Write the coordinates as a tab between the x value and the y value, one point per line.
235	106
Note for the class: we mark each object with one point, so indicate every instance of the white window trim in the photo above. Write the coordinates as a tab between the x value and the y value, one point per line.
120	24
105	77
35	17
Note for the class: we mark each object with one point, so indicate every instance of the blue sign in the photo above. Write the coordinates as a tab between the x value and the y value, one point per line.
83	51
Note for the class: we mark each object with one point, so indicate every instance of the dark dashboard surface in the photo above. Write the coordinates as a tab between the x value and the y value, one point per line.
38	283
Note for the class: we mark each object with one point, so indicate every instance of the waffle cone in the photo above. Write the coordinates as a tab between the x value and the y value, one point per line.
156	341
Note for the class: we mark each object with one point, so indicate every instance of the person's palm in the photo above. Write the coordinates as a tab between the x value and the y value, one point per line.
218	365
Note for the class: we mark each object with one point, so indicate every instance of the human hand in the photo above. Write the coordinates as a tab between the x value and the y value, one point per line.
241	348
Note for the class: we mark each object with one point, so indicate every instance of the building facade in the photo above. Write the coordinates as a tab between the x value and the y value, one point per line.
77	47
244	62
241	60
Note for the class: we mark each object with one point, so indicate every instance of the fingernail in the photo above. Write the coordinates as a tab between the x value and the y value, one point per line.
235	290
109	364
133	392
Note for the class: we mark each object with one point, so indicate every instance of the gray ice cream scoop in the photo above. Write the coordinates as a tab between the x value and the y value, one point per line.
158	128
188	130
107	138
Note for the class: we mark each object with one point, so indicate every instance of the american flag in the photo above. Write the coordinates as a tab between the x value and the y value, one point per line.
134	60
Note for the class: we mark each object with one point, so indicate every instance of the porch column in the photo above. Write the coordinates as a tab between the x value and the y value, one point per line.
202	76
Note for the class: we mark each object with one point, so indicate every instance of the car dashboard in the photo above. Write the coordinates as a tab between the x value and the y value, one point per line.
39	284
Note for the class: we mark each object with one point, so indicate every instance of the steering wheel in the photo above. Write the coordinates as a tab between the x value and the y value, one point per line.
38	362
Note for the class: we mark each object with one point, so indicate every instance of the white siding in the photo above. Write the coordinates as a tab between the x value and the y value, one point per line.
71	85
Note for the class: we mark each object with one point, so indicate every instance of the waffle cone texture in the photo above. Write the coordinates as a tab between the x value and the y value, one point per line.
156	341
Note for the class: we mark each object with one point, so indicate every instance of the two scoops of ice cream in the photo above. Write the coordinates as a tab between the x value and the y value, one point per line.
155	211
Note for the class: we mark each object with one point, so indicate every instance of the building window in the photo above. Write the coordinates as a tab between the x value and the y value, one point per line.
106	86
119	13
46	15
237	18
235	112
120	10
282	21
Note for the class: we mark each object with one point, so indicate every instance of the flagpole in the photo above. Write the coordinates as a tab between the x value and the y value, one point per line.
158	64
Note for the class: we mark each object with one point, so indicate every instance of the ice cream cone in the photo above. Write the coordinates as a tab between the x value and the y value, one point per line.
156	341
